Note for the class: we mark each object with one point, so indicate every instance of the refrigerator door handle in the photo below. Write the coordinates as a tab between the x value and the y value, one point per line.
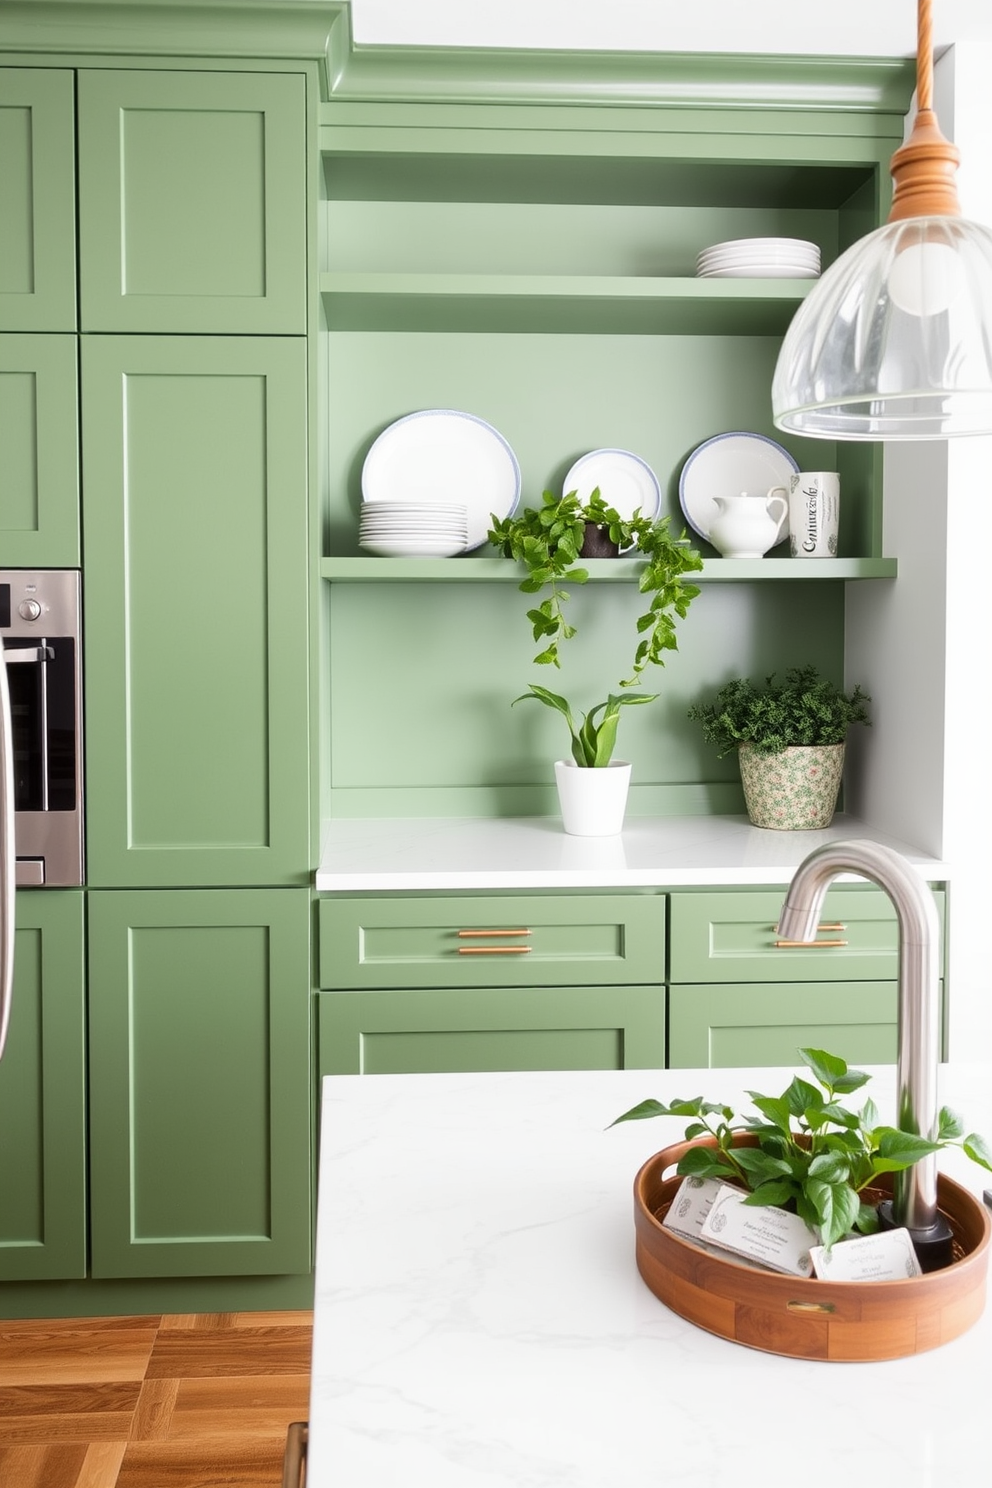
8	865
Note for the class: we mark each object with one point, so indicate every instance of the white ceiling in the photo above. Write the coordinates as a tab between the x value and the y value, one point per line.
879	28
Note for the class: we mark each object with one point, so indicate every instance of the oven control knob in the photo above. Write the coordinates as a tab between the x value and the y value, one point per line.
29	609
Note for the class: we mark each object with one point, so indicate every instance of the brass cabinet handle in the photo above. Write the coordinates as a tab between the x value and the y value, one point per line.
806	945
493	932
494	950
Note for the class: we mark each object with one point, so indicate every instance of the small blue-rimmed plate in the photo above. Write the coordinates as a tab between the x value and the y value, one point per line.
729	465
625	481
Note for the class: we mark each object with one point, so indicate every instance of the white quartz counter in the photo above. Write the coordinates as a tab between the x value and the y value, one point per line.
462	853
480	1321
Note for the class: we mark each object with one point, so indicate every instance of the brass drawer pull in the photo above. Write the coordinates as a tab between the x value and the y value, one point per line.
494	950
494	932
806	945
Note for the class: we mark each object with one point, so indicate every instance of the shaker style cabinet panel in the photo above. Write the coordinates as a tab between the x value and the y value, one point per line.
42	1095
39	438
192	202
200	1101
747	1025
37	200
729	936
497	941
195	525
507	1028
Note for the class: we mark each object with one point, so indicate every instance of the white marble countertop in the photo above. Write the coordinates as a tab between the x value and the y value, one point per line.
460	853
480	1321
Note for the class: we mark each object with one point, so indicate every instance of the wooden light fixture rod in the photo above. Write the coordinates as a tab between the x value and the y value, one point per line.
925	167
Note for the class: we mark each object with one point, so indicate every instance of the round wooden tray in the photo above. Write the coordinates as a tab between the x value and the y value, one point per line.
811	1319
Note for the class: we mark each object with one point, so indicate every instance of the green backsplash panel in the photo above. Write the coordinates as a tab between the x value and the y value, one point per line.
425	676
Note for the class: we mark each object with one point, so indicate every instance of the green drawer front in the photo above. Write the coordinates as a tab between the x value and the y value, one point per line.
491	942
726	1026
730	937
436	1032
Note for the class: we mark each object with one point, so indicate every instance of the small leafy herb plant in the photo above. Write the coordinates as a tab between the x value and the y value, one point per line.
804	709
813	1155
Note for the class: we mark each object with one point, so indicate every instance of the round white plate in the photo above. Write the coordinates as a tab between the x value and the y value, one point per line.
759	271
387	548
798	244
726	465
625	481
440	454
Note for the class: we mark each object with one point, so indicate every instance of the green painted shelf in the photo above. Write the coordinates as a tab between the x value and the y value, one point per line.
570	303
619	570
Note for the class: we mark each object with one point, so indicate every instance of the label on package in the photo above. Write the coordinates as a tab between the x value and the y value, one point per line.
888	1256
773	1237
690	1206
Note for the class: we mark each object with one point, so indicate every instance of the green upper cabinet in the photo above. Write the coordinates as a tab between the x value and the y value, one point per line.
195	529
37	200
39	437
42	1095
192	201
200	1090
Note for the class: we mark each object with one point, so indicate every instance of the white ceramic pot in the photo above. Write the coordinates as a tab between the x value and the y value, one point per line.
592	801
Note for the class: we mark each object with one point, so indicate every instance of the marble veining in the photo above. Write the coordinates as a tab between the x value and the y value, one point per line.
480	1321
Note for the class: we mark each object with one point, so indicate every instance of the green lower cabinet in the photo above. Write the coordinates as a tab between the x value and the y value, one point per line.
748	1024
431	1031
199	1090
43	1095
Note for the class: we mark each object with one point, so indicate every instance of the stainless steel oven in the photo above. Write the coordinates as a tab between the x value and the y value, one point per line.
40	626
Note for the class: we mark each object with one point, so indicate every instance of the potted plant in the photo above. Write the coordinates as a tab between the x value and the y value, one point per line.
790	738
549	541
811	1154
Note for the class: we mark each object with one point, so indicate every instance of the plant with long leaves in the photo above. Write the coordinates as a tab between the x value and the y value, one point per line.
812	1155
592	743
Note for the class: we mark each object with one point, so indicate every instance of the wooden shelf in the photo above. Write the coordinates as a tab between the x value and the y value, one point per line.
602	570
570	303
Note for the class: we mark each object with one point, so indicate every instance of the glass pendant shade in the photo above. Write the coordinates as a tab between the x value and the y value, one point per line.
895	340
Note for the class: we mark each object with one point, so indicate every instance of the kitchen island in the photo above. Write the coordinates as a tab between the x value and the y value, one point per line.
480	1321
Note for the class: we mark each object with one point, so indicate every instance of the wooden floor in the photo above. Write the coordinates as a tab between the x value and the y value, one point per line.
193	1401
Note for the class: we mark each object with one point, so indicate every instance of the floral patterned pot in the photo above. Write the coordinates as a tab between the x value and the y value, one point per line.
794	790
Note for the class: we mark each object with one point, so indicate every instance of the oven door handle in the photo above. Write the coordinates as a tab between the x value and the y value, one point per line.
15	654
8	869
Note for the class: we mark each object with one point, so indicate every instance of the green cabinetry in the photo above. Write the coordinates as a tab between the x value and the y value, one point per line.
192	201
195	524
199	1104
43	1096
39	438
542	982
37	200
739	996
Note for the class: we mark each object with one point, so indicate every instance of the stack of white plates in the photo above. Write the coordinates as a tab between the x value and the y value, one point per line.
759	258
413	529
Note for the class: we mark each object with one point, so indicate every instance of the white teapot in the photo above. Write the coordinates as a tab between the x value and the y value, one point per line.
747	526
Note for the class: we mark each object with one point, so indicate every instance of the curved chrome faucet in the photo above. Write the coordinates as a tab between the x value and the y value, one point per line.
914	1190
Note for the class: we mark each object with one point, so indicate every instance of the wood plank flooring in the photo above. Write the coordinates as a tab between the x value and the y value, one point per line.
198	1400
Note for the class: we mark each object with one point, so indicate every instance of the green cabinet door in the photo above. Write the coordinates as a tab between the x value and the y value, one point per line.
39	440
432	1031
37	200
42	1095
192	201
200	1082
195	530
750	1024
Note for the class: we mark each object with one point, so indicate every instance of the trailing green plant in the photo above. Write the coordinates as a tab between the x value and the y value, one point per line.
804	709
548	540
813	1155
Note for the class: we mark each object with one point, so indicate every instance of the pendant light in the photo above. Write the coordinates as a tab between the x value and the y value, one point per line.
895	339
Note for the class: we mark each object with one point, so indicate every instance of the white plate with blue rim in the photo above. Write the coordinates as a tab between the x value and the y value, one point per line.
442	454
625	482
729	465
